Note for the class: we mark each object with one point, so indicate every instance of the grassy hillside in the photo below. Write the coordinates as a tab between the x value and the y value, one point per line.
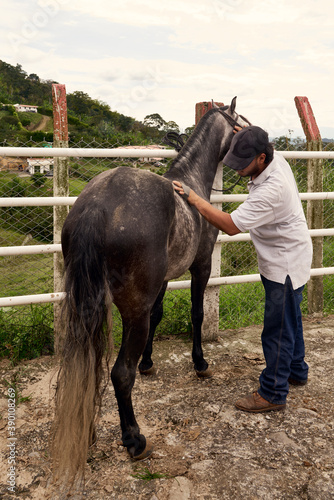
87	118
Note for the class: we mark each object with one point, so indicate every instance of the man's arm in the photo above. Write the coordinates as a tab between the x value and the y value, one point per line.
219	219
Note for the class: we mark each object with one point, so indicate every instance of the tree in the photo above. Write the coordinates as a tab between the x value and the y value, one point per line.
189	130
79	102
33	77
125	122
155	121
172	127
284	142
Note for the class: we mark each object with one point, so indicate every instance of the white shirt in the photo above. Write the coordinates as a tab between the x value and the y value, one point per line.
274	216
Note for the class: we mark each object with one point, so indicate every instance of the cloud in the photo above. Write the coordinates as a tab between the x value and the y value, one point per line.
127	12
149	57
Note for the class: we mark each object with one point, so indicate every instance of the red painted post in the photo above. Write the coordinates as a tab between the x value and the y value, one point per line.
210	325
60	188
307	119
314	208
202	107
60	127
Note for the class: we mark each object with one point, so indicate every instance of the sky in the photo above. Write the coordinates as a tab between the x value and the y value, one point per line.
150	56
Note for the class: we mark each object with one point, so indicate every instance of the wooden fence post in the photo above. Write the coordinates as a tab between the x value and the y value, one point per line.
315	217
211	297
60	188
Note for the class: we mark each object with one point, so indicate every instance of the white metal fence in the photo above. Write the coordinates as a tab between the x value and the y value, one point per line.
117	153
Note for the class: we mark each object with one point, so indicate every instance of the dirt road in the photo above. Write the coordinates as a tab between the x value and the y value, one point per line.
41	125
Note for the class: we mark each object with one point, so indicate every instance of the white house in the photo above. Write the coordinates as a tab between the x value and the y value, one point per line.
25	108
41	165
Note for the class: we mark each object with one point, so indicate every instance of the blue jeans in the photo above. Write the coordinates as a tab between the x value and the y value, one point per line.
282	340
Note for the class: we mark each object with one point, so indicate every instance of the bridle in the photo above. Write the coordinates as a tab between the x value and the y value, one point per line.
233	124
230	119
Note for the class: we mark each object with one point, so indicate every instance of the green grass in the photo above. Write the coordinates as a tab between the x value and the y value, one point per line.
76	186
328	295
176	318
9	237
241	305
146	475
26	334
24	274
15	383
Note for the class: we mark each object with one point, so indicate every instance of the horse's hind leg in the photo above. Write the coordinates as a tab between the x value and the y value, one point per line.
135	332
146	364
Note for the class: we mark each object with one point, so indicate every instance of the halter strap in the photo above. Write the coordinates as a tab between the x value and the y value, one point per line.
229	119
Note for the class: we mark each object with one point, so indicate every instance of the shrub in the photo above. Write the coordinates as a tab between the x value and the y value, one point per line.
38	179
26	336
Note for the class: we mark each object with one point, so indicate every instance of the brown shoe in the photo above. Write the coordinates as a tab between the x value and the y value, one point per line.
254	403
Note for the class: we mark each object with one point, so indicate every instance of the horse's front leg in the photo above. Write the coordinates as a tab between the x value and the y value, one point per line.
146	364
135	332
199	279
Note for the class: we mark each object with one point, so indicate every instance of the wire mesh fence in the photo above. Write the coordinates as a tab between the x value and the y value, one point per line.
240	305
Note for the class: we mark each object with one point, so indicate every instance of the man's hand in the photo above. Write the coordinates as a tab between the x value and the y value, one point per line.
237	129
188	194
217	218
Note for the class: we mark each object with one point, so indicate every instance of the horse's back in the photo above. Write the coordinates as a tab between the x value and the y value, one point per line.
132	212
133	201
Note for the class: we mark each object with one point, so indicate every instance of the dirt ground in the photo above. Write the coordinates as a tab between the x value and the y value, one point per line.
205	449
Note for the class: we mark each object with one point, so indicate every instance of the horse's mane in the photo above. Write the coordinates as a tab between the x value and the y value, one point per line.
199	135
200	128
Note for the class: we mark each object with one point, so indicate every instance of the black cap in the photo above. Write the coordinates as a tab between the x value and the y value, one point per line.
245	146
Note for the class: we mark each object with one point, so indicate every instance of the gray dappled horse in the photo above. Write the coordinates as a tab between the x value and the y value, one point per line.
127	234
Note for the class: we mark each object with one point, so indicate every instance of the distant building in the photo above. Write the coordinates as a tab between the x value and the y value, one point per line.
25	108
41	165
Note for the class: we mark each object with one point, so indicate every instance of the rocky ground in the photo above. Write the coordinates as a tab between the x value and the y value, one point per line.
205	449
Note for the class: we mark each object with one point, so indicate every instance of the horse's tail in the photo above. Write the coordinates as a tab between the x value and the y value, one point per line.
84	317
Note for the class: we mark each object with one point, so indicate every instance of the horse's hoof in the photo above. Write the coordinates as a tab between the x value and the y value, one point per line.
146	453
149	371
205	373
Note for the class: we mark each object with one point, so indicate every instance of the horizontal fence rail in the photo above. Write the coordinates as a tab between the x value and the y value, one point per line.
131	153
52	248
49	201
88	152
173	285
30	249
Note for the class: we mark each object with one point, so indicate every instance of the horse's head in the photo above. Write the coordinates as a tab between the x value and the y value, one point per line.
198	159
232	120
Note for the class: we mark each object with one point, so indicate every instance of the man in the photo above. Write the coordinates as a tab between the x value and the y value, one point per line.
274	217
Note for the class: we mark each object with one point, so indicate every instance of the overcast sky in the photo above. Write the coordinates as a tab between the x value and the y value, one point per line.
150	56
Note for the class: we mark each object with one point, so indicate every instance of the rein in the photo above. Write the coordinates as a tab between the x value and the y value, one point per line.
227	189
175	140
231	120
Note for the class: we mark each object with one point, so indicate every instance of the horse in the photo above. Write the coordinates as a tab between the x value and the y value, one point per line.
125	237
